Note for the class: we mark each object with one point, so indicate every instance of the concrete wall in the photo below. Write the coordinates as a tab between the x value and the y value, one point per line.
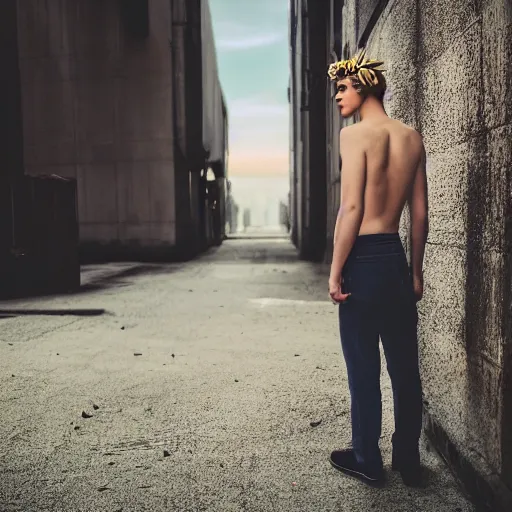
334	52
190	157
308	111
200	121
293	28
449	76
213	112
97	106
11	138
297	49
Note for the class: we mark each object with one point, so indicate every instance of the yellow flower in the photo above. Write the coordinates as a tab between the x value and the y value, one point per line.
356	66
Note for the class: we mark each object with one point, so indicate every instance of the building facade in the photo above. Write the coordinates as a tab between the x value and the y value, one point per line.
124	97
449	77
307	95
200	126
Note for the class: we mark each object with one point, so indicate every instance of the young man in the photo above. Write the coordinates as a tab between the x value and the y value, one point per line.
383	168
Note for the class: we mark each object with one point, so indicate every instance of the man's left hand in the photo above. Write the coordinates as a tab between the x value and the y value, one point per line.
337	296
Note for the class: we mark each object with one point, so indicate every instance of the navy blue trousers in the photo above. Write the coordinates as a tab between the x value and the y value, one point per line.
382	305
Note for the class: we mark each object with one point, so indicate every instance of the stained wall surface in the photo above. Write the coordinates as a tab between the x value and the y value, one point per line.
308	62
449	77
97	106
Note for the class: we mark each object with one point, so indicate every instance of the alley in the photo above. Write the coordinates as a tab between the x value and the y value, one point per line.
214	385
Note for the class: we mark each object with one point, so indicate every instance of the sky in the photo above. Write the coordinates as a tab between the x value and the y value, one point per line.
251	39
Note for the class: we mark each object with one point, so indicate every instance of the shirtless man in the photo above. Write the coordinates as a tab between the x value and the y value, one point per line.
383	169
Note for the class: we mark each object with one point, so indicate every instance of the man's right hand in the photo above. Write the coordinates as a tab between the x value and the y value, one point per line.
417	283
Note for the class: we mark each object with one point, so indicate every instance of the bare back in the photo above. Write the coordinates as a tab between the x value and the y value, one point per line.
393	152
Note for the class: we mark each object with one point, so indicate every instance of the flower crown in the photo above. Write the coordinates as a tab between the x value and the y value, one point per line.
360	67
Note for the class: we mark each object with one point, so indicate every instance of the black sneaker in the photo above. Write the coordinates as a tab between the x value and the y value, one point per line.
411	472
345	461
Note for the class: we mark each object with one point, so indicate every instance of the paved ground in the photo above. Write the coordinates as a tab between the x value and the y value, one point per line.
239	354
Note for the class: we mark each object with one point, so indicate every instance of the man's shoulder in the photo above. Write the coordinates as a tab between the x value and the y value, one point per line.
351	132
410	130
413	136
351	128
359	136
367	131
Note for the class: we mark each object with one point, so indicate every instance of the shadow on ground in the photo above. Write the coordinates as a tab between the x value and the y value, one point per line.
10	313
121	278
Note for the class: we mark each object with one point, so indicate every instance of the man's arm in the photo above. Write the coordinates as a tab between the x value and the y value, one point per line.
418	205
336	227
351	211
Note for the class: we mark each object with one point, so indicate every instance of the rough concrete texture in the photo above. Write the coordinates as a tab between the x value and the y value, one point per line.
97	106
449	76
460	131
239	353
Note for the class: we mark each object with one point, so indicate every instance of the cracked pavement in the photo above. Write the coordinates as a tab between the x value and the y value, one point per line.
239	355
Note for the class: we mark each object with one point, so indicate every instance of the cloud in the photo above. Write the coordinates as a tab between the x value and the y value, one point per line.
258	124
260	110
258	138
245	42
257	106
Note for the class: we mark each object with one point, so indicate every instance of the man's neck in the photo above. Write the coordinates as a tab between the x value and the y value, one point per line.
372	109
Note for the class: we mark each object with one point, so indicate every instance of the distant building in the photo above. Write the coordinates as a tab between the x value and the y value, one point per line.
247	218
231	210
284	217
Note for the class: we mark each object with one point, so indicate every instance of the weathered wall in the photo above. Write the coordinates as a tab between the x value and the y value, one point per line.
213	114
334	53
188	122
200	121
298	54
449	76
294	45
11	138
308	111
97	106
344	18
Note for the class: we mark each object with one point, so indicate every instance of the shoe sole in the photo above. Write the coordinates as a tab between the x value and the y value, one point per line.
372	482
